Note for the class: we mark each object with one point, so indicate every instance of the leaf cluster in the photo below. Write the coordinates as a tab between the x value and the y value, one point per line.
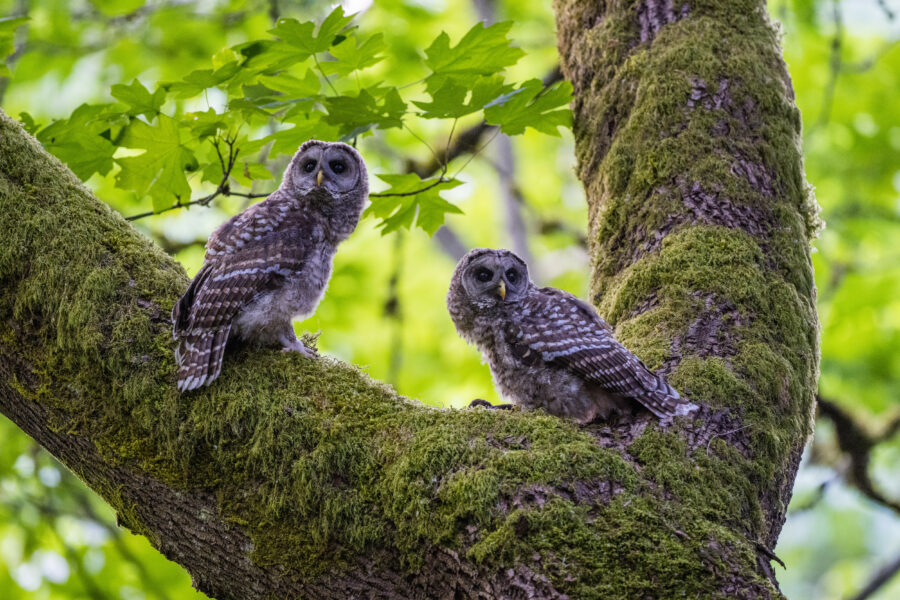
265	97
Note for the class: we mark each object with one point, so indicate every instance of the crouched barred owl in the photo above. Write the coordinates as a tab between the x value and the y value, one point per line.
271	263
546	348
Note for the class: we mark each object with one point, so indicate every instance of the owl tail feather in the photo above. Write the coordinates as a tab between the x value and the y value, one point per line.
199	357
664	401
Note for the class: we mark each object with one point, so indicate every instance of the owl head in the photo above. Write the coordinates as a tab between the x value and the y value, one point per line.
486	279
334	167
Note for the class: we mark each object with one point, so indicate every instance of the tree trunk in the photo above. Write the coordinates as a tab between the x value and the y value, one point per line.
293	477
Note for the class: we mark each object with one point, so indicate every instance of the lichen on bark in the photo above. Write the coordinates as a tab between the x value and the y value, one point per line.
320	482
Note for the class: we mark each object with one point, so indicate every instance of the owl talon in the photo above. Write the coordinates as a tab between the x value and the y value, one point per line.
302	350
300	347
485	404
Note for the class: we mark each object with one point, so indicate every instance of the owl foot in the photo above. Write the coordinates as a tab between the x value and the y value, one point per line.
488	405
298	346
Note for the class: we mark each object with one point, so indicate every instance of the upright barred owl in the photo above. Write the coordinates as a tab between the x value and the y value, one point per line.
546	348
271	263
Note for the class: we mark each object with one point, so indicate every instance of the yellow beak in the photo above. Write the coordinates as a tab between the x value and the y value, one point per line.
502	289
319	176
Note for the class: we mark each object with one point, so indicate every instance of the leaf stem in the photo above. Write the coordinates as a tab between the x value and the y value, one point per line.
223	189
322	72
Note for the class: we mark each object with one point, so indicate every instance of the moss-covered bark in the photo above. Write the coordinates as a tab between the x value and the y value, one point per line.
688	141
293	477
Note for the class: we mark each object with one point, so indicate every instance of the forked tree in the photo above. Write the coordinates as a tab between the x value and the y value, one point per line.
293	477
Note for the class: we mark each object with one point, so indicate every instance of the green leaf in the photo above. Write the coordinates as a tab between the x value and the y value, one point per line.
139	98
246	172
285	91
352	57
8	26
449	101
333	24
482	51
201	79
204	124
247	108
269	56
301	36
306	127
79	141
529	107
296	34
115	8
354	115
426	209
28	123
160	171
294	87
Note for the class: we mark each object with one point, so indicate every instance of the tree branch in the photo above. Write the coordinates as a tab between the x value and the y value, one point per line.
881	577
857	444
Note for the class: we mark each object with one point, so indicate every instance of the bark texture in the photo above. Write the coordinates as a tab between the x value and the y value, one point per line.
296	477
688	141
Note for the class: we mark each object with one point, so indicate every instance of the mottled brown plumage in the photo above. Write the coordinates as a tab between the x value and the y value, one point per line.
271	263
548	349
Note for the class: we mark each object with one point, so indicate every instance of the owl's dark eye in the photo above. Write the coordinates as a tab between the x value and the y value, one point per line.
338	166
483	274
511	276
309	166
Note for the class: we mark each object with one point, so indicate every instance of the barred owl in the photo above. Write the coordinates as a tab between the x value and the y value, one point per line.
546	348
271	263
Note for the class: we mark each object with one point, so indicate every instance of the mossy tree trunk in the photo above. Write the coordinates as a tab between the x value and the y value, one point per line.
293	477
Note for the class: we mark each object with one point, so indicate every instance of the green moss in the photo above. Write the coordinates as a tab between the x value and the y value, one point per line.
318	464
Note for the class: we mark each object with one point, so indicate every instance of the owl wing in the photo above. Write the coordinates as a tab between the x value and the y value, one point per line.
558	329
224	285
250	225
230	283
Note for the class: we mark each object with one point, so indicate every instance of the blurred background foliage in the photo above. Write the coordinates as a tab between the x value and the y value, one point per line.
384	309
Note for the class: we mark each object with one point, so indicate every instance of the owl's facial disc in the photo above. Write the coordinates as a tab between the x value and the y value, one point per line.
495	277
339	171
332	167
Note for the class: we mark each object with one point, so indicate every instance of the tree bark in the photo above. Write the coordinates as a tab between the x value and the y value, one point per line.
294	477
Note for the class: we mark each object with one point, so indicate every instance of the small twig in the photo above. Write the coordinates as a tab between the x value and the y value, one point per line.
476	153
814	501
440	179
394	310
322	72
436	182
223	188
768	553
881	577
441	161
884	8
835	69
857	444
274	12
219	154
722	435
